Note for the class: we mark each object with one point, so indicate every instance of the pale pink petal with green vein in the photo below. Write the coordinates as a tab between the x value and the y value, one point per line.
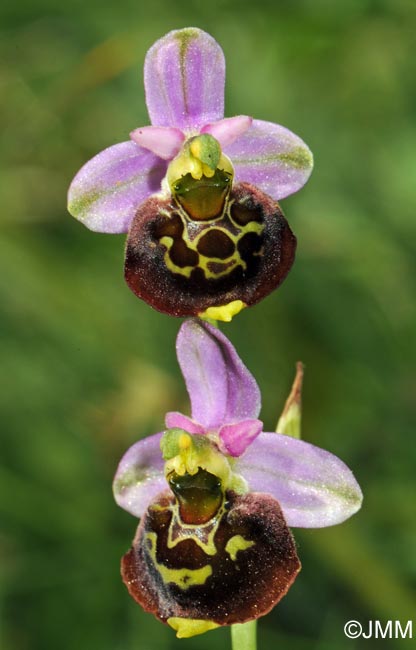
184	77
272	158
140	476
314	487
107	191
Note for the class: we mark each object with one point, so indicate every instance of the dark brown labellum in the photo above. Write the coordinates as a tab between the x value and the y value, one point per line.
231	569
182	266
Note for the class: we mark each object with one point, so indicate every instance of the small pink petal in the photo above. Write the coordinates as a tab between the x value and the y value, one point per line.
237	437
226	131
164	141
175	420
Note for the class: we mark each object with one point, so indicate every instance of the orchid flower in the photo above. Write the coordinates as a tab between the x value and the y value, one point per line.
216	496
196	192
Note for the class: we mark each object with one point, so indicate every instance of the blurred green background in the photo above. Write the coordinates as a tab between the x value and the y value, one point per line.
87	369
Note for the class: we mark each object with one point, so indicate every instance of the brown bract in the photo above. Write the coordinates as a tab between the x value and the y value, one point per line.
182	267
243	564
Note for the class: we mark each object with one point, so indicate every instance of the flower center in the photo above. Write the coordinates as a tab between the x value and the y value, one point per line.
200	177
200	496
198	474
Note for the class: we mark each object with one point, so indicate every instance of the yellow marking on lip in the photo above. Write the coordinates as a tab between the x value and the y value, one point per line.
235	544
187	627
223	313
233	261
202	534
182	578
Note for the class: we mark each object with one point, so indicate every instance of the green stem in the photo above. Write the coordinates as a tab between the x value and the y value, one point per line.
211	321
243	637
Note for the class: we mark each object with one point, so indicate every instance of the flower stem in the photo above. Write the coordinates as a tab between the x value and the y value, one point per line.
211	321
243	636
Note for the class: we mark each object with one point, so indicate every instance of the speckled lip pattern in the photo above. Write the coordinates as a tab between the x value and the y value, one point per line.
234	586
243	255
